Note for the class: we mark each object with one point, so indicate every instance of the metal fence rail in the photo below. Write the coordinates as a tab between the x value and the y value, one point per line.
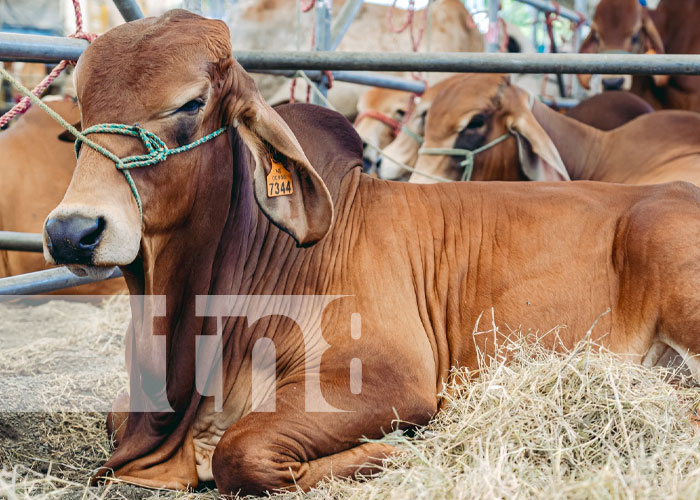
50	280
362	78
15	47
620	64
23	242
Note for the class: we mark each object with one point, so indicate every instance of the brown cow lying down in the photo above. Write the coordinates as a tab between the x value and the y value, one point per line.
405	269
627	26
545	145
604	111
36	169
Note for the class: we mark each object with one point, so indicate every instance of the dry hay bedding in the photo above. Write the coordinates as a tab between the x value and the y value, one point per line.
576	425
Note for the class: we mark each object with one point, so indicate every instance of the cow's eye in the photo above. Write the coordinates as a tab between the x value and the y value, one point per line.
191	106
635	38
400	113
477	121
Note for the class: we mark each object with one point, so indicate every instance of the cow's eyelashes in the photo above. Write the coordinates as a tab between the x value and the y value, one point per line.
191	106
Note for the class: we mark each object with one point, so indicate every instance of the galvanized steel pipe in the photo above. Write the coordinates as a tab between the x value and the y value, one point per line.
50	280
39	48
22	242
457	62
361	78
15	47
129	9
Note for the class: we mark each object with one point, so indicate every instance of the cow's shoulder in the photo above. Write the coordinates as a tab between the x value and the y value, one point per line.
328	139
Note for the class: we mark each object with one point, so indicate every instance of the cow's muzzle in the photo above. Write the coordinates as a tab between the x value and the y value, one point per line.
613	83
73	240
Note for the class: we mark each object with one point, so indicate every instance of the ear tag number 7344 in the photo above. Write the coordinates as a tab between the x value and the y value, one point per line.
279	180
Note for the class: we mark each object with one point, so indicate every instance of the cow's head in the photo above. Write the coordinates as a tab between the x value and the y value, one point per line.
380	114
404	148
477	110
174	76
622	26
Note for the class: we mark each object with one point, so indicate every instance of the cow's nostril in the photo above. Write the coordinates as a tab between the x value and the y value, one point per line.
92	238
73	240
613	83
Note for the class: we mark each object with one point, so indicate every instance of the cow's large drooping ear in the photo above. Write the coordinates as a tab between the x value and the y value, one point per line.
539	158
287	188
588	46
653	44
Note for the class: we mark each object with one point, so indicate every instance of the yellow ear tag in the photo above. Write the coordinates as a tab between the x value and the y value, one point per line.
279	180
650	52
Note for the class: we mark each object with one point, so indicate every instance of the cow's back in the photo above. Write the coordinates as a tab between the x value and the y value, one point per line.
448	255
610	110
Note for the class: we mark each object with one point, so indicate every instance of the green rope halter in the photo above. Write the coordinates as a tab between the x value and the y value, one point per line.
413	135
158	151
469	154
156	147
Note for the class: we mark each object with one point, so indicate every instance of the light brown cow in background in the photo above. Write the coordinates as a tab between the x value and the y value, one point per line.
270	26
541	255
546	145
36	168
604	111
387	117
627	26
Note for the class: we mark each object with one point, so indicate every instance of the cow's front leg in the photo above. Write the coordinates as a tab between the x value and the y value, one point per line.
292	448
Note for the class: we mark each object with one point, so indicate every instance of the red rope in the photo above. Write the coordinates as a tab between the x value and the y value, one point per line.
306	7
504	30
409	17
392	123
23	105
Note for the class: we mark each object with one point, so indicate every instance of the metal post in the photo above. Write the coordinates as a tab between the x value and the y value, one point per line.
322	40
492	34
22	242
129	9
581	6
46	281
343	20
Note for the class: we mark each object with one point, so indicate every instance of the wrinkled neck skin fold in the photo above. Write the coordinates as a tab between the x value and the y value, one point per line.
191	259
226	246
580	146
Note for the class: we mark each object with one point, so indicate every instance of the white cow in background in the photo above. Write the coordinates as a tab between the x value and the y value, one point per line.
270	25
